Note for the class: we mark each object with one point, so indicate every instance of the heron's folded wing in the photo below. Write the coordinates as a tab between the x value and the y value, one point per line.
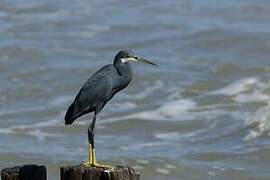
95	90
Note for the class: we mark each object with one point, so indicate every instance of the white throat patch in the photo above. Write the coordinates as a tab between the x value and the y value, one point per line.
124	60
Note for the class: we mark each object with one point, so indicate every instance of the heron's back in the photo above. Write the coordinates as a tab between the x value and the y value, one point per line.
94	94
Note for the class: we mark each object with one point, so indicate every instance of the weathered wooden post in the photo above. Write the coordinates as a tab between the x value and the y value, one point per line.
80	172
25	172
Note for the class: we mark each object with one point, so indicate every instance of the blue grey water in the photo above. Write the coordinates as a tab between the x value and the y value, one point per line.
203	114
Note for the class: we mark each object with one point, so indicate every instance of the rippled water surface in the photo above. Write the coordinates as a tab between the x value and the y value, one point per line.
203	114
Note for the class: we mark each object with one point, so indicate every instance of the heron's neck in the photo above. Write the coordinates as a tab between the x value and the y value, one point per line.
125	73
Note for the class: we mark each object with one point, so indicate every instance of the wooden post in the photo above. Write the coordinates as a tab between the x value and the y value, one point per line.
25	172
80	172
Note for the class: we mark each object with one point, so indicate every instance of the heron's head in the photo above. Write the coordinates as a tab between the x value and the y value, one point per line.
127	56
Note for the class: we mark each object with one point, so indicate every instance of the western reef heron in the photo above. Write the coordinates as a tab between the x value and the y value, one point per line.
98	90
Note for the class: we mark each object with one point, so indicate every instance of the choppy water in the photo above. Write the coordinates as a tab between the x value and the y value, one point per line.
203	114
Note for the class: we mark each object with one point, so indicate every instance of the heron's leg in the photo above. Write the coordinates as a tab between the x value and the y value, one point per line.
91	134
92	158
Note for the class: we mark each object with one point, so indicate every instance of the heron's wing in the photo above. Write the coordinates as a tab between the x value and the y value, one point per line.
95	91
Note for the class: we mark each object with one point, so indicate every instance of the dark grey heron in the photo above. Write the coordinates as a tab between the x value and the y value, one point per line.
98	90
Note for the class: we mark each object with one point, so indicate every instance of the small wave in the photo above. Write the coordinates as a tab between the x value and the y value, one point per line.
33	126
259	123
41	135
177	110
163	171
57	101
245	91
22	109
34	129
169	135
177	107
123	106
256	96
90	31
237	87
147	91
60	100
175	136
142	145
170	111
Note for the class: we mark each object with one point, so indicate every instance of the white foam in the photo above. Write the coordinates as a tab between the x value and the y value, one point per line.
142	161
33	126
123	106
22	109
259	123
172	110
168	136
144	93
33	129
177	110
60	100
255	96
139	146
175	136
246	91
237	87
40	135
177	107
87	34
163	171
170	166
90	31
5	131
138	168
211	173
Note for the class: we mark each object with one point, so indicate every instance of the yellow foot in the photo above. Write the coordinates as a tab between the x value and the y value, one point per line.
97	165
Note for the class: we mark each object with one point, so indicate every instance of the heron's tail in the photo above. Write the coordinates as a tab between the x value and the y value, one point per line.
69	117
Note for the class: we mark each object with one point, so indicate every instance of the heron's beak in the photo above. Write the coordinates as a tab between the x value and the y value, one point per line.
140	59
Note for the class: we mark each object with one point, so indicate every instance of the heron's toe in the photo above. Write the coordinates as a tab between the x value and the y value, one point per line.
103	165
97	165
87	164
